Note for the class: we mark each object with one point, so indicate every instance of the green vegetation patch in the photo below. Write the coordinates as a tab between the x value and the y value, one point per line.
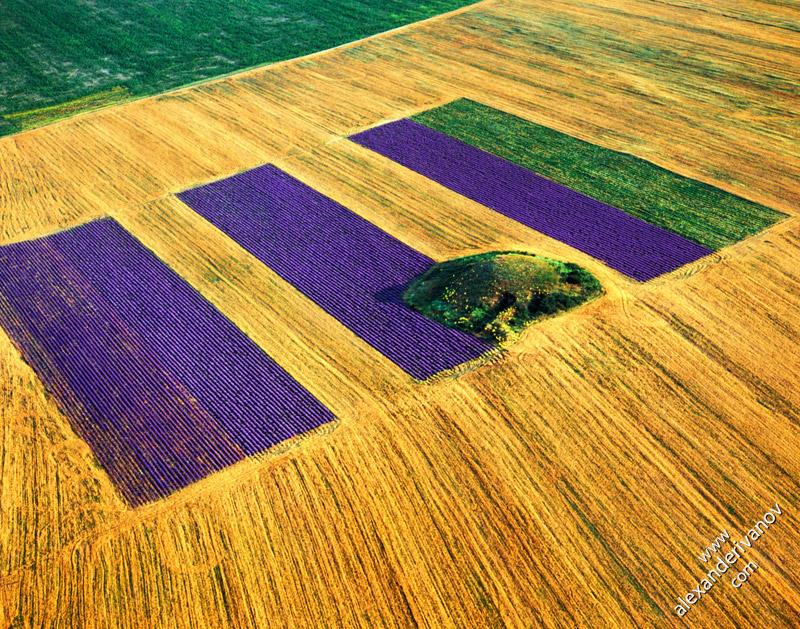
695	210
495	295
52	53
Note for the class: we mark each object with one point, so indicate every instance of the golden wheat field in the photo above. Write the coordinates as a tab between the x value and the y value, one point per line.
570	481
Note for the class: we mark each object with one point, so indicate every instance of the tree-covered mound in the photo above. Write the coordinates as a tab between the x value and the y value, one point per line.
495	295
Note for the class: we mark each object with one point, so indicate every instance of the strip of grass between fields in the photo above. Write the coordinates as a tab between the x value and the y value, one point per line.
695	210
25	120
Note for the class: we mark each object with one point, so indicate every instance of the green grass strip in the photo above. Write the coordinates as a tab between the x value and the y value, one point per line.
695	210
24	120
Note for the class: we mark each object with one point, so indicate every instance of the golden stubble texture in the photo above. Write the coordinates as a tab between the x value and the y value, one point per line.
570	481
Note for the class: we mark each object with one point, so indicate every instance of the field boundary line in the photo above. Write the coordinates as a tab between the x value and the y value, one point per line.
249	70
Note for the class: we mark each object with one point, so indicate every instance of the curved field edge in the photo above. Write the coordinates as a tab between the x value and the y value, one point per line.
698	211
69	58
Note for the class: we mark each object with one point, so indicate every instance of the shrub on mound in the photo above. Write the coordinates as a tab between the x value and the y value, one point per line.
495	295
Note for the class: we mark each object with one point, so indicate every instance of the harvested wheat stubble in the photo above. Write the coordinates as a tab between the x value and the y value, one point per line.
348	266
160	384
629	245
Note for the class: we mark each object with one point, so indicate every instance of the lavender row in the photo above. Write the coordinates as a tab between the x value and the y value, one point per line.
628	244
349	267
160	384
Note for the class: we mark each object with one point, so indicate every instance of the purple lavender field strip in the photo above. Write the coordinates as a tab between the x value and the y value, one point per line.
161	385
628	244
348	266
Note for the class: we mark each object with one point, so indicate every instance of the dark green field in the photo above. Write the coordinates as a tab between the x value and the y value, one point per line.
693	209
59	58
